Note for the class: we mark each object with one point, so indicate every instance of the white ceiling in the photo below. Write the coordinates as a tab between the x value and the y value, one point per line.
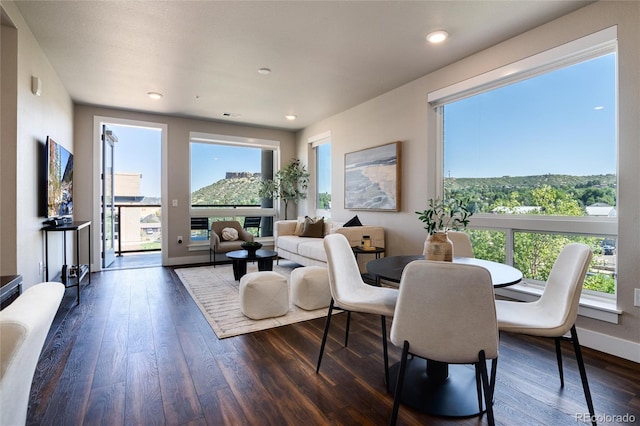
203	56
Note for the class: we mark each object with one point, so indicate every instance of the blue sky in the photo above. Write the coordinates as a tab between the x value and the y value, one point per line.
561	122
212	162
139	151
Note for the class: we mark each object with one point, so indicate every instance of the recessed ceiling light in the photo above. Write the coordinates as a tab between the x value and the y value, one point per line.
154	95
437	37
290	117
264	71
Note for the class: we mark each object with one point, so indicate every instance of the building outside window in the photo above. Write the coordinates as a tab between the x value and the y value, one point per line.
536	155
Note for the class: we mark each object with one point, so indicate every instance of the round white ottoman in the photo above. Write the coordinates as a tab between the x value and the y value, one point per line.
264	295
310	287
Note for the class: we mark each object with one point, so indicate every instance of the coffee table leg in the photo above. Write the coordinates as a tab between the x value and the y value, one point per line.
265	265
239	269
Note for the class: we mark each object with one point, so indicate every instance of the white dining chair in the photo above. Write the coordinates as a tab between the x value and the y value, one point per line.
461	244
554	313
350	293
428	323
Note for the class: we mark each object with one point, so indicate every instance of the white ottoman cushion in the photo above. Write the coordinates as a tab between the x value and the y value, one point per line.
310	287
264	294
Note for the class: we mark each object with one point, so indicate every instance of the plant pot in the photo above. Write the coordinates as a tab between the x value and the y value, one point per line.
438	247
251	248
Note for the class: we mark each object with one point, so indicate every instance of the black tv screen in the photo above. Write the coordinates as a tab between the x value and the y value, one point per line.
59	180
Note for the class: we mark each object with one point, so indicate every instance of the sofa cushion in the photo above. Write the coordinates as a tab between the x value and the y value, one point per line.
312	248
313	227
289	243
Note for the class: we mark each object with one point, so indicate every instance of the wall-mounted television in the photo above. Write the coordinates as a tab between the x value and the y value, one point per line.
59	180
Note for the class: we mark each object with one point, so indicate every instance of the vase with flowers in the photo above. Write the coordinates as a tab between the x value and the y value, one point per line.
440	217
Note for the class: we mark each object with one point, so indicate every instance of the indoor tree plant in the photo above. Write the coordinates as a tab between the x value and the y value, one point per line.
289	184
440	217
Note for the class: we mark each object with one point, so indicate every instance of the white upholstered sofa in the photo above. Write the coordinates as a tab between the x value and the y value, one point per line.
24	325
309	251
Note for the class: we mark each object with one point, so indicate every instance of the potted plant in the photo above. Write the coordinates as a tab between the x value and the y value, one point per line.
440	217
289	184
251	247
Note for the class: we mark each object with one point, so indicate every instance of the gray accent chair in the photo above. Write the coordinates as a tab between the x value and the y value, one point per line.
220	246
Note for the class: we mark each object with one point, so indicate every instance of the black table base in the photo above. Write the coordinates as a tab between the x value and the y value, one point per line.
442	391
240	266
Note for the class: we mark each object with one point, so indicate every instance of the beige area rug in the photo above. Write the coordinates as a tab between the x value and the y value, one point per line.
216	293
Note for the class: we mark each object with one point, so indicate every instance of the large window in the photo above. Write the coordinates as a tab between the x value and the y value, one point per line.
225	178
536	154
320	146
323	177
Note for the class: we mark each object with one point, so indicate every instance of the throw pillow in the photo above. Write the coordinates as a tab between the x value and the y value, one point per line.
313	228
299	227
229	234
354	221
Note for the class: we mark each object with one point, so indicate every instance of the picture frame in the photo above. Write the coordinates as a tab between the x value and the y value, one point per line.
372	178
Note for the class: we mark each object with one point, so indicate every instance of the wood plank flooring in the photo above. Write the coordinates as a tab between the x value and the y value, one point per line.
137	351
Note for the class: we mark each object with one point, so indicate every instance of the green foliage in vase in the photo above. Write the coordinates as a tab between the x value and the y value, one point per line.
445	215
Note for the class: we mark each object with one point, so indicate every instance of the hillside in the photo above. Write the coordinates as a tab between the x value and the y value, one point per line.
236	191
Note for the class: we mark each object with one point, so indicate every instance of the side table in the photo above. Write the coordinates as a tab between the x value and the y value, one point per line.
10	289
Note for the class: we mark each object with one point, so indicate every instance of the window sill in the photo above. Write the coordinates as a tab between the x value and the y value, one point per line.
591	306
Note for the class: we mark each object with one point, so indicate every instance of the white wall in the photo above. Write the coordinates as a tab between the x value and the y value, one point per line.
37	117
403	114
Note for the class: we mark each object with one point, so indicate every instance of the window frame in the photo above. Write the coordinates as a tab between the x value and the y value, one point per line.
592	46
314	142
238	141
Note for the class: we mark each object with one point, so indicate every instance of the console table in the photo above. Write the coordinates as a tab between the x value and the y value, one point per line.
75	272
10	289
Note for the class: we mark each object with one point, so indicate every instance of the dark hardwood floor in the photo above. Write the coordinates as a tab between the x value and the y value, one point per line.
137	351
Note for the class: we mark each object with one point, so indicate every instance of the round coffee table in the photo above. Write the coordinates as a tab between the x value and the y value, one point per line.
241	257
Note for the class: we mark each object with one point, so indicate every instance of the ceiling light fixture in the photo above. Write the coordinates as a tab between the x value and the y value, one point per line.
154	95
437	37
290	117
264	71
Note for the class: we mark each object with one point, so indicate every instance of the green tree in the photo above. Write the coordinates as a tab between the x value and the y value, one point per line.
289	184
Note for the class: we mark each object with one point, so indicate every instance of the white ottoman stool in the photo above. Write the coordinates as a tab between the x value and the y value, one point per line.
310	287
264	295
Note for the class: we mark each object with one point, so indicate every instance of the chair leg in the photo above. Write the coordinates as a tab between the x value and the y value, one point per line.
559	358
346	333
384	351
583	373
492	382
478	386
399	384
324	336
488	392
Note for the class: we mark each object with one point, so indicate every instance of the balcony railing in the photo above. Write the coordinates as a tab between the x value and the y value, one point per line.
138	228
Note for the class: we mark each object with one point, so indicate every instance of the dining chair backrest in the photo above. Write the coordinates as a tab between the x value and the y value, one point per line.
446	311
461	244
561	296
344	274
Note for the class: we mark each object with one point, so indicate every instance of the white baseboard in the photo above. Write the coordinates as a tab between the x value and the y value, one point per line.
610	345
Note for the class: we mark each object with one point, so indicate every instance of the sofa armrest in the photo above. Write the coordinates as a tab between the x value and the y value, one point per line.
245	235
284	227
354	234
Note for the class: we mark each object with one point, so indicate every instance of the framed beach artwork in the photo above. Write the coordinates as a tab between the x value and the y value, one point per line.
372	178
